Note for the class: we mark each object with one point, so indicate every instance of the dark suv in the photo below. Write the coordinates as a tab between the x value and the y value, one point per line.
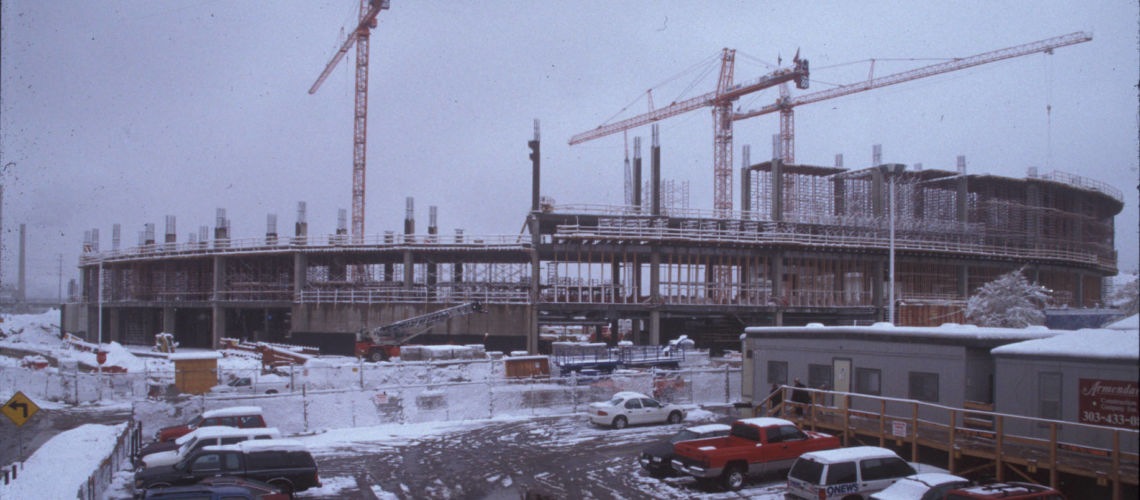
285	464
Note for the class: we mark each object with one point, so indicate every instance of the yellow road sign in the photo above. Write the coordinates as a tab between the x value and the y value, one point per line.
19	409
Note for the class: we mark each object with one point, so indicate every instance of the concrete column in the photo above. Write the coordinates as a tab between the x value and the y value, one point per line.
535	272
963	281
637	173
114	331
409	270
962	200
168	320
777	190
745	191
840	196
218	329
877	196
1079	295
655	173
300	273
877	290
535	166
655	327
777	277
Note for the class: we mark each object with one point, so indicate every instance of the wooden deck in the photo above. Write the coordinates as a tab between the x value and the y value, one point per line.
974	440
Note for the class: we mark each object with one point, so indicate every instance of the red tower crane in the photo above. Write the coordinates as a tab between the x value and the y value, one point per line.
721	101
369	9
785	104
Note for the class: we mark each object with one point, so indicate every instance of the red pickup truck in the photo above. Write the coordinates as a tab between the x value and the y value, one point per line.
754	446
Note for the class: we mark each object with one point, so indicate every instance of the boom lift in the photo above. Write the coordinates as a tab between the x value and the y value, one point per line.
383	342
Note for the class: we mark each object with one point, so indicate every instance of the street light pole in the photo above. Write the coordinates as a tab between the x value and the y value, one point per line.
891	171
891	222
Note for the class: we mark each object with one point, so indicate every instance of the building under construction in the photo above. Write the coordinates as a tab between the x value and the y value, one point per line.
812	244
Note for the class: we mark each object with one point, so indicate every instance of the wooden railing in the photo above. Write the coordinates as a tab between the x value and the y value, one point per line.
974	432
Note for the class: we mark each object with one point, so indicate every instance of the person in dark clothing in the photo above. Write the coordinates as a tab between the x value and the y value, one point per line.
800	396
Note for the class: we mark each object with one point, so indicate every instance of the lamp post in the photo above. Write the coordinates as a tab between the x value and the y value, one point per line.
891	171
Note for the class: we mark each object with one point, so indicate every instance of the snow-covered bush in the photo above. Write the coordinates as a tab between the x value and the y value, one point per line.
1010	301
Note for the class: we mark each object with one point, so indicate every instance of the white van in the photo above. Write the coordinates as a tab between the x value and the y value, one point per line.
207	436
845	473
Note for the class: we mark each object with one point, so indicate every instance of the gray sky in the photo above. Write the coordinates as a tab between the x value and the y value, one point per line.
127	111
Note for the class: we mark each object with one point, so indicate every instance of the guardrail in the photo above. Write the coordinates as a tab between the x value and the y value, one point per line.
127	445
695	235
269	245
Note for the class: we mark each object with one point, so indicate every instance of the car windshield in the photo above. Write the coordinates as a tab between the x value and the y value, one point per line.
807	470
685	435
616	401
195	422
187	446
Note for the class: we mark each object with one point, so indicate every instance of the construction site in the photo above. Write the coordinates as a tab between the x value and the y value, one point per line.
806	243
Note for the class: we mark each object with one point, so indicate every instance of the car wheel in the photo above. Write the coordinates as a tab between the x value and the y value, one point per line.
285	486
733	478
675	417
377	356
620	422
158	485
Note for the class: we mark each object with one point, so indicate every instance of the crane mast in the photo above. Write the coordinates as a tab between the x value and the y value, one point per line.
369	9
785	104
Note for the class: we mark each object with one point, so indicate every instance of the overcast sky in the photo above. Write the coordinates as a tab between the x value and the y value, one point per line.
128	111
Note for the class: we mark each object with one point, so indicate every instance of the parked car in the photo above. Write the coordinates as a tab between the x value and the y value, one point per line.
219	488
845	473
754	446
657	458
634	408
206	436
236	416
925	486
265	384
1010	490
284	464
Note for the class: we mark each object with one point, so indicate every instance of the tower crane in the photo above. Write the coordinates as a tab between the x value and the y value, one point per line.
785	104
369	9
721	101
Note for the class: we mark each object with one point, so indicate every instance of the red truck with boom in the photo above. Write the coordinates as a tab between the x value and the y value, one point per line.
754	446
383	342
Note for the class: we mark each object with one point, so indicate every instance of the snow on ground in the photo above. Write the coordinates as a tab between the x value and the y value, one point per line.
62	465
330	486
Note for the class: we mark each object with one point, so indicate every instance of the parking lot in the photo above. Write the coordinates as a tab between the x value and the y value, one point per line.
546	457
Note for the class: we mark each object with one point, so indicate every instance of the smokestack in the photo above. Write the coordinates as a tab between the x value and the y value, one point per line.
148	233
21	285
433	229
776	147
961	164
116	237
839	161
95	240
876	155
203	236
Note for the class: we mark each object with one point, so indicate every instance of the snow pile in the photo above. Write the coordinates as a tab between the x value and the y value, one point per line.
117	355
62	465
1086	344
34	329
1129	323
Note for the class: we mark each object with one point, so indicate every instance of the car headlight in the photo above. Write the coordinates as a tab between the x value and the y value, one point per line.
655	459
